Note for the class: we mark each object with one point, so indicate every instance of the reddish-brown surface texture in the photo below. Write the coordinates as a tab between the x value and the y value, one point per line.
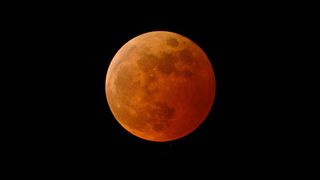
160	86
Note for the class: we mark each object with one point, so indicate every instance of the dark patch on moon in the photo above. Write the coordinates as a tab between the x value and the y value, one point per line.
186	56
162	114
150	87
147	62
166	63
172	42
157	127
165	112
184	73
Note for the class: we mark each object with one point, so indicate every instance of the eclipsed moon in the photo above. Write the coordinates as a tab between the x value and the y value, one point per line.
160	86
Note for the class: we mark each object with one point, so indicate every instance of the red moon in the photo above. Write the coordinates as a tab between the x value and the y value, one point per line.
160	86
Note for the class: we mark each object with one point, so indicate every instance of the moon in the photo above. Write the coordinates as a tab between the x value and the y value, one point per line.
160	86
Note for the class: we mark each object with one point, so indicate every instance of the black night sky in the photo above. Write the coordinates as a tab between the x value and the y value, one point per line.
227	36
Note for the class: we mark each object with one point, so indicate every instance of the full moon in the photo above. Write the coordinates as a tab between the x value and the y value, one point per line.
160	86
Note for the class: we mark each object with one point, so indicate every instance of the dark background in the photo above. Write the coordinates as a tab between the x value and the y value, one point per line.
95	35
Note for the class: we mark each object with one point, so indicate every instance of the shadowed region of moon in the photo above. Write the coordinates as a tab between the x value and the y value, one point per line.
172	42
160	86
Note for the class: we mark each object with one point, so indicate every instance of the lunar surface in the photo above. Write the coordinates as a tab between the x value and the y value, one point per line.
160	86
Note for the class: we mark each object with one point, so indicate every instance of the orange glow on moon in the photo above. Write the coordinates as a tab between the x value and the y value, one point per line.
160	86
